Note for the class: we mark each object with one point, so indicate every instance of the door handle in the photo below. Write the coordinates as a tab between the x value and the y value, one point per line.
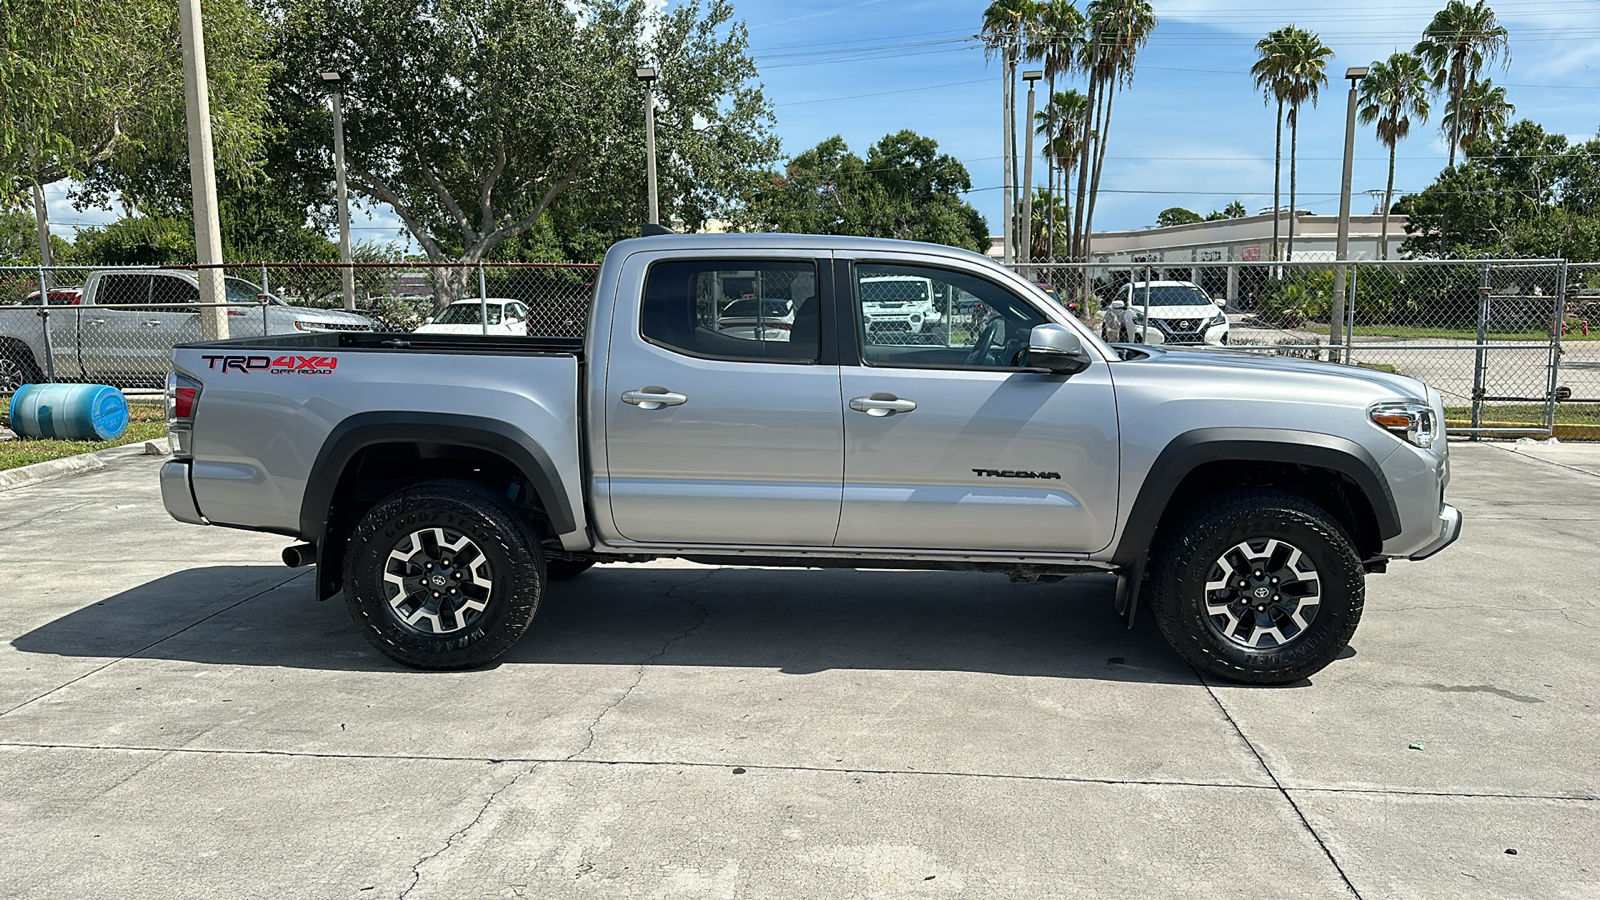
653	398
97	321
153	323
882	405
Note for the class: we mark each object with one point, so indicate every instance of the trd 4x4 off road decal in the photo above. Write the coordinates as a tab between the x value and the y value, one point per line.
281	365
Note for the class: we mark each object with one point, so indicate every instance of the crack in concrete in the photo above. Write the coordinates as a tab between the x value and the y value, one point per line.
644	665
1261	760
459	833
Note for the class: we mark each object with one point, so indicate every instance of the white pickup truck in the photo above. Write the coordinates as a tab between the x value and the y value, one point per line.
123	328
440	480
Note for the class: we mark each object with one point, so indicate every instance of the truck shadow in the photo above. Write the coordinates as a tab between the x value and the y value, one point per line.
797	621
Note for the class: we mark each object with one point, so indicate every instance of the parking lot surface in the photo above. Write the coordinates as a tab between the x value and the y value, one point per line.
179	718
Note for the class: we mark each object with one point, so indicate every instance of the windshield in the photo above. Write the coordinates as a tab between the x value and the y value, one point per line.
468	314
1170	295
241	291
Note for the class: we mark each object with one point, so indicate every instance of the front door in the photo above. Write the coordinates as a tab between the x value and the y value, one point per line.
128	335
953	447
720	429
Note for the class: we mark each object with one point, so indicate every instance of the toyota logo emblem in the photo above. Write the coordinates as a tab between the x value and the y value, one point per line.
440	581
1261	593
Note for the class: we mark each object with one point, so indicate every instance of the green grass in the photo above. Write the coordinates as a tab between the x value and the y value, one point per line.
1530	413
1413	332
147	421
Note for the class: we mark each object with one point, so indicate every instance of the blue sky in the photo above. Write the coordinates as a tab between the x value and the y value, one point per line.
1191	131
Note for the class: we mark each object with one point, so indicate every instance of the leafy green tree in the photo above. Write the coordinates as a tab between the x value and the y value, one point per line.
1234	210
95	88
1391	94
1177	215
1292	69
1483	111
1460	40
473	118
904	189
1061	124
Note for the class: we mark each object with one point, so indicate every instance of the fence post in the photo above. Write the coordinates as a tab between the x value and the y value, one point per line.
1144	327
1555	349
483	299
1479	359
1350	314
44	320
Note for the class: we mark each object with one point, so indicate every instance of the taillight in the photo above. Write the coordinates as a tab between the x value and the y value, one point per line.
183	393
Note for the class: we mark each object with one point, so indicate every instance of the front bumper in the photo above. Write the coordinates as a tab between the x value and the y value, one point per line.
177	495
1450	529
1156	335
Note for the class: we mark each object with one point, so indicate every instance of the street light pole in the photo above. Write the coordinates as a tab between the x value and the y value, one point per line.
347	274
202	173
1031	76
648	75
1336	335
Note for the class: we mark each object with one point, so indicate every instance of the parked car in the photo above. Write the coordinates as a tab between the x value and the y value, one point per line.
901	305
502	315
59	296
438	487
126	322
1179	312
762	319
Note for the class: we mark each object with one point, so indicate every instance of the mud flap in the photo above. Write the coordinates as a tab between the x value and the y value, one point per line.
1130	579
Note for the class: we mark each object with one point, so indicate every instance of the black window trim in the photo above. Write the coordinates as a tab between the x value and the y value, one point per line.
849	311
825	303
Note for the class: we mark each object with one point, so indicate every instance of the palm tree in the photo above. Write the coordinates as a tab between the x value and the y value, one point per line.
1484	114
1005	23
1306	75
1455	47
1060	40
1272	78
1118	29
1391	94
1061	125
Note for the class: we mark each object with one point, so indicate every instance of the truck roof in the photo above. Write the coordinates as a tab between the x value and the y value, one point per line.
777	241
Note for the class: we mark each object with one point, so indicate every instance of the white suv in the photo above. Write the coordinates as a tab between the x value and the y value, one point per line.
1164	312
899	305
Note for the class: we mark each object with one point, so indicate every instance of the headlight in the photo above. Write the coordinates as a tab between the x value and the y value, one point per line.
1410	420
1218	319
1136	314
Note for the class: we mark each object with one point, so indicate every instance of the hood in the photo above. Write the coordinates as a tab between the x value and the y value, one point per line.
1195	311
1266	367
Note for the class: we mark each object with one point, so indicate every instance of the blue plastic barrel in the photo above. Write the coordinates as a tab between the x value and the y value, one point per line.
76	412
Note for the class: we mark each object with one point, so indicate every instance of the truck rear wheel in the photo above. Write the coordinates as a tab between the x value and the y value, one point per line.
443	575
17	366
1259	587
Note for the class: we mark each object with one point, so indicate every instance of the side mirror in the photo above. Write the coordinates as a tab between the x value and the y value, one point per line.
428	321
1221	301
1056	349
1118	304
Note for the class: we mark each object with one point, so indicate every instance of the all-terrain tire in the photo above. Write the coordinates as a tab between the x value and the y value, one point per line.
17	366
472	536
562	569
1204	547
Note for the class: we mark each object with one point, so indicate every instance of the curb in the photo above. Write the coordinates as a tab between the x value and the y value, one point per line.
66	466
1561	433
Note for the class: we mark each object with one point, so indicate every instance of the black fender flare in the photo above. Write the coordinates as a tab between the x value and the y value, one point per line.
1192	449
369	429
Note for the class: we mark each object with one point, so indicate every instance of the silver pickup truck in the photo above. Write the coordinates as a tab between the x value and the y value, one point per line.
440	481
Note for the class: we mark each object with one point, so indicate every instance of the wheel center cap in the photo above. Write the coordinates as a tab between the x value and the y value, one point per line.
1262	593
439	580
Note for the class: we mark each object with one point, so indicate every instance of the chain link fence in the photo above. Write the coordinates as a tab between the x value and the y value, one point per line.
118	326
1513	345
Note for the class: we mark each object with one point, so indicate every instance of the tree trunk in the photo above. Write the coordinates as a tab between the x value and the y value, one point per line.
1076	235
41	214
1277	185
1294	143
1388	200
1099	169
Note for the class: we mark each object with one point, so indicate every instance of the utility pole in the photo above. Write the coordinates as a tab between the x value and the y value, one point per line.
1031	76
202	173
648	75
1008	229
1336	335
347	274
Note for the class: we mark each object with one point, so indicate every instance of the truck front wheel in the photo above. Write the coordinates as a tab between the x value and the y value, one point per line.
1259	587
443	575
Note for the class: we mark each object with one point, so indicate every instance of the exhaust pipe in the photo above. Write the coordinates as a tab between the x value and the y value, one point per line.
297	555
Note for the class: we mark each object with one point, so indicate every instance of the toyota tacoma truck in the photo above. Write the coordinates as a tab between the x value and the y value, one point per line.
441	481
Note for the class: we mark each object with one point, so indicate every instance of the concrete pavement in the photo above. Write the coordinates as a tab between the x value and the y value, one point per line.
178	718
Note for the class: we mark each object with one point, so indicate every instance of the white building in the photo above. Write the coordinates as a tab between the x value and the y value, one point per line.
1201	252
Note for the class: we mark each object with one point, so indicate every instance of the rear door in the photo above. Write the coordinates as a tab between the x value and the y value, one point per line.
722	437
954	447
